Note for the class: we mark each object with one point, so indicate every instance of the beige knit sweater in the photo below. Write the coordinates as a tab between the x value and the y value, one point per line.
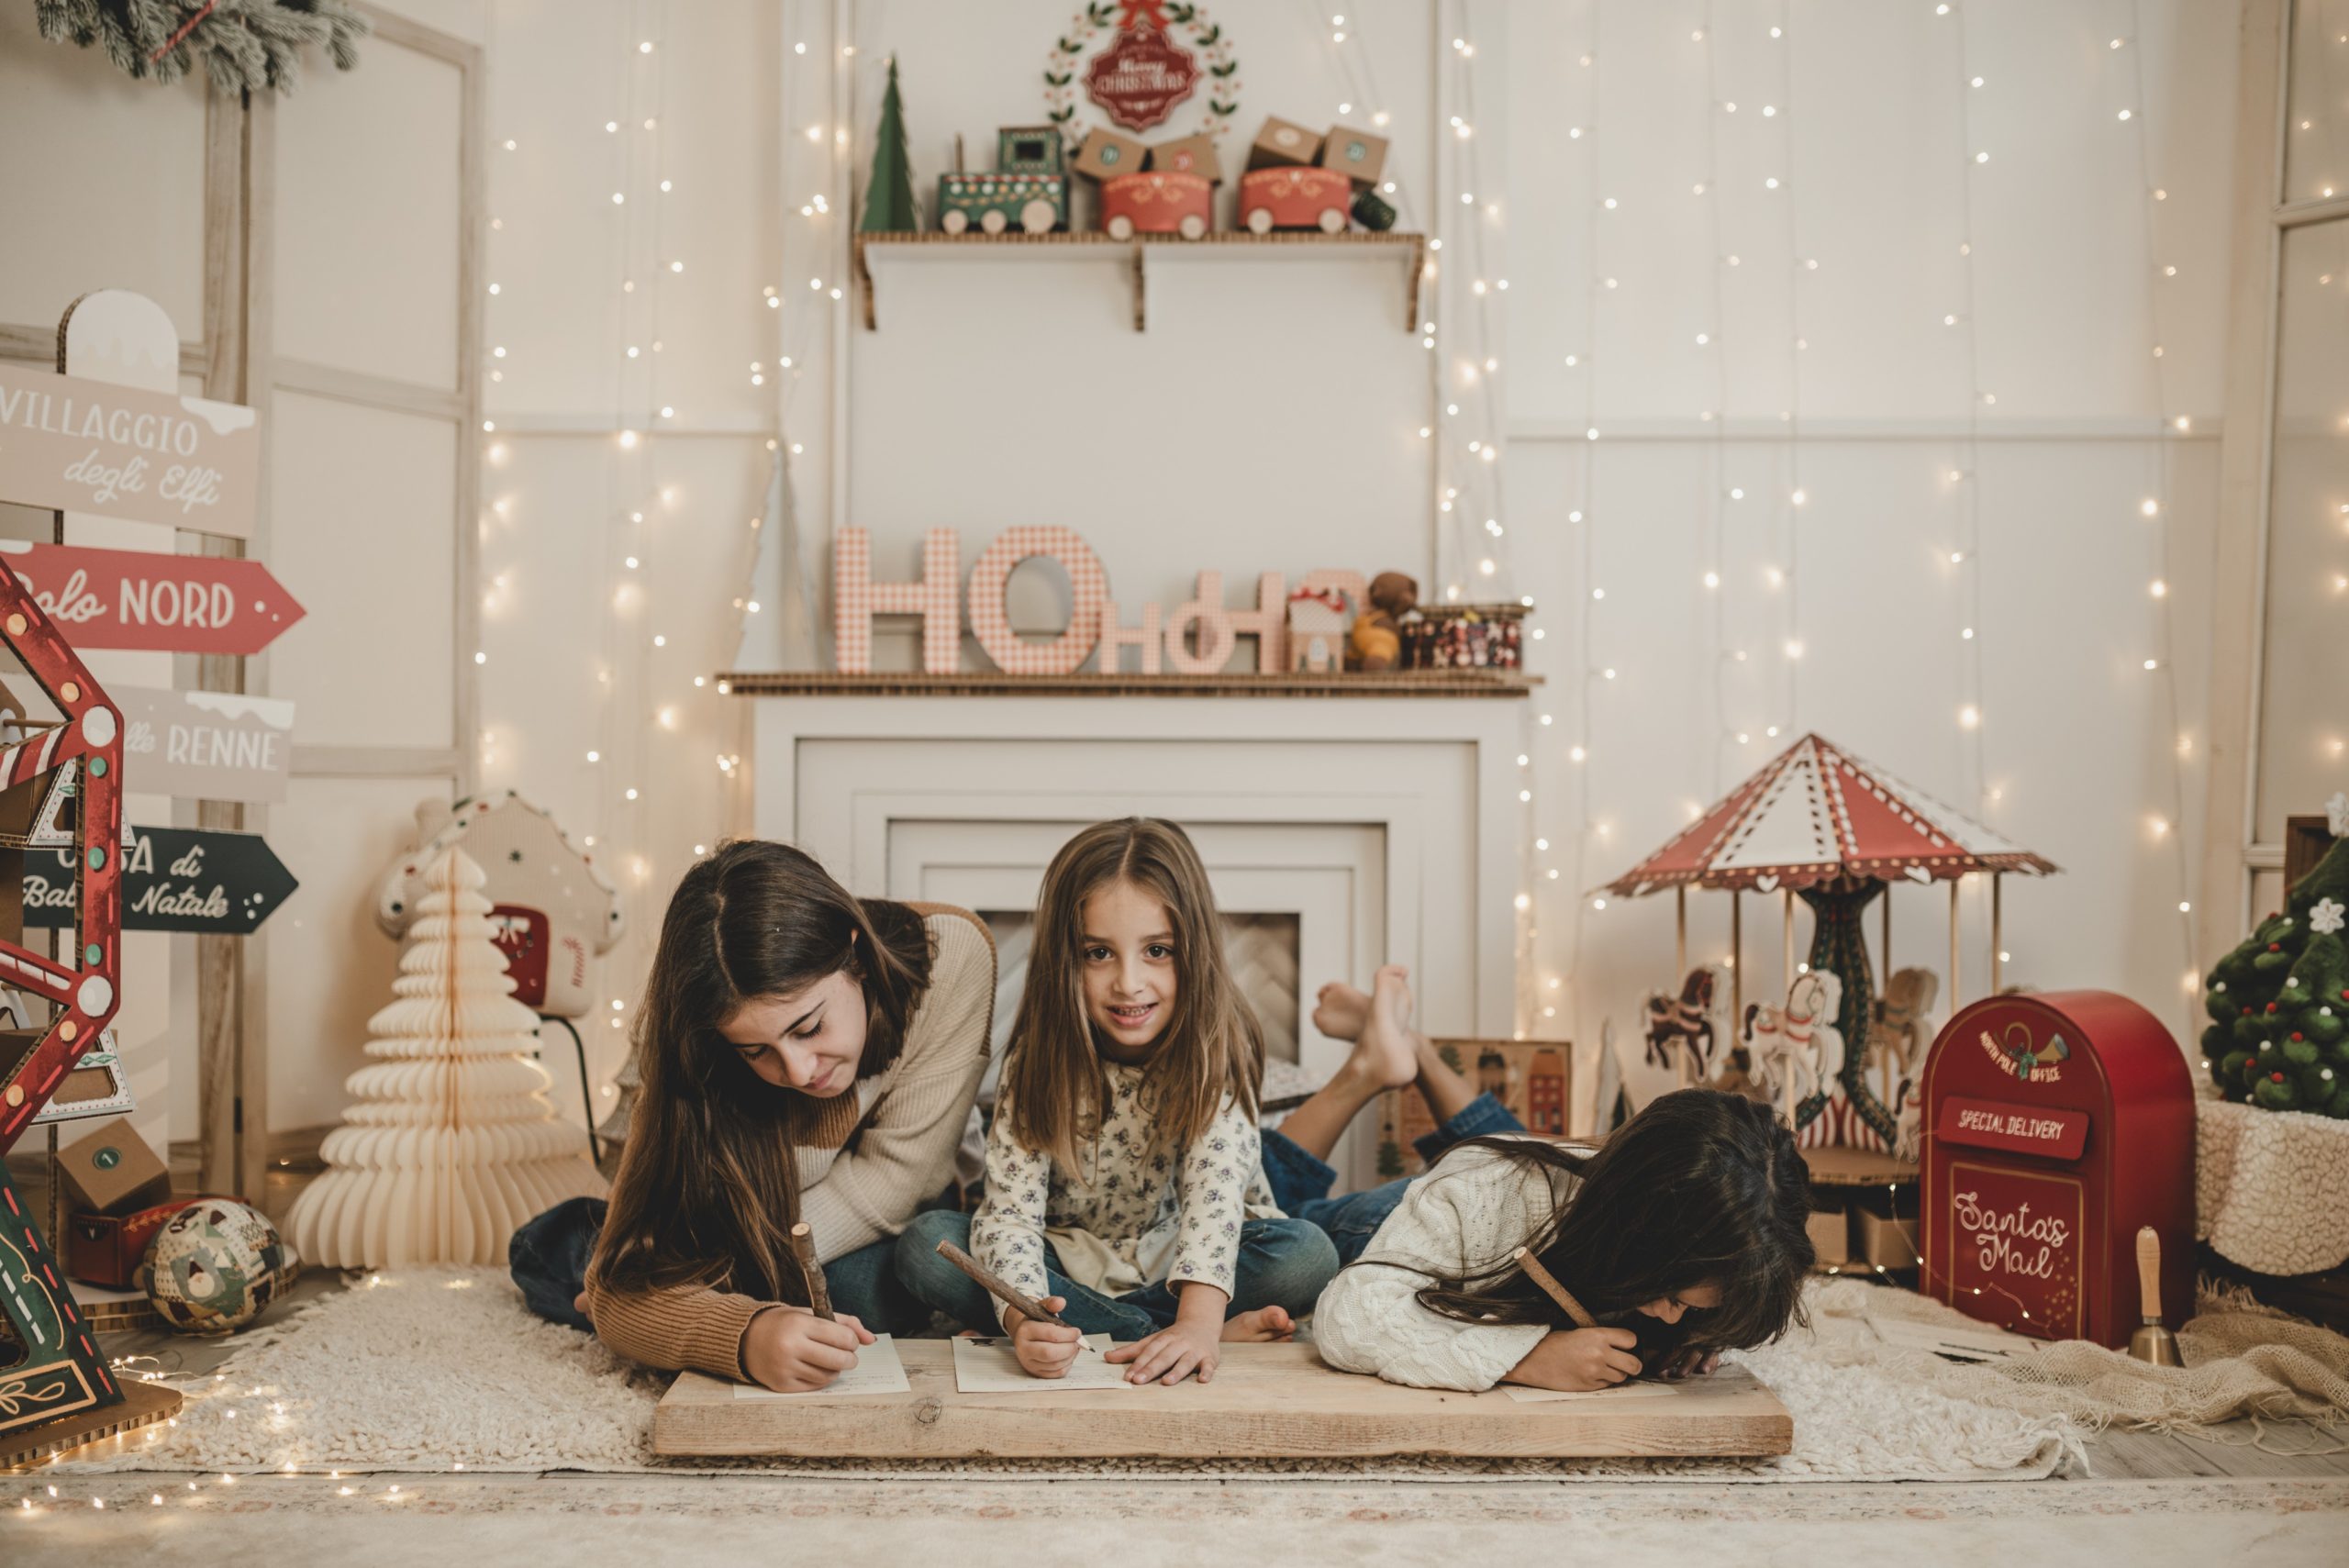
853	1191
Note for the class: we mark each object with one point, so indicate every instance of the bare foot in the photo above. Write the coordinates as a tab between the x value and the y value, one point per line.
1262	1327
1339	1010
1384	1047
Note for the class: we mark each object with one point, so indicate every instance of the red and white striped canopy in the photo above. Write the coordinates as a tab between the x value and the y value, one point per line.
1818	813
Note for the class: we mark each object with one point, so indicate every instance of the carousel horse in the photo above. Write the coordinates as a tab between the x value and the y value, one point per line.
1689	1020
1909	1122
1795	1050
1896	1026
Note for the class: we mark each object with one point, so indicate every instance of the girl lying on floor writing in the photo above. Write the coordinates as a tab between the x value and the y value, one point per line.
1682	1235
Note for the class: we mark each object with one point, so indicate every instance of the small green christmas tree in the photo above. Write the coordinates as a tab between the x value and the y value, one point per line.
889	195
1390	1160
2279	1004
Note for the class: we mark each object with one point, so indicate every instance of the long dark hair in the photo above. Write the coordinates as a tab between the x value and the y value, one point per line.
1700	1187
708	1185
1054	1087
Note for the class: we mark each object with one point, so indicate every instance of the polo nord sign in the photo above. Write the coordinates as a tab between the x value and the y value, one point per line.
168	603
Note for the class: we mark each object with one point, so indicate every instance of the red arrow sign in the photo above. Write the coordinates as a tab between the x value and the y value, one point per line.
168	603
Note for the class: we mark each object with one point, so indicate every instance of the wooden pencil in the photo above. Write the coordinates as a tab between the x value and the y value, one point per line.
803	1252
986	1278
1523	1257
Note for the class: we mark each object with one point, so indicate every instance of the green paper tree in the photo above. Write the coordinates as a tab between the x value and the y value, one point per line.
2278	1036
889	195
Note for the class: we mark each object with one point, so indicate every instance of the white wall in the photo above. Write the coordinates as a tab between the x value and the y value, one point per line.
1286	404
2078	747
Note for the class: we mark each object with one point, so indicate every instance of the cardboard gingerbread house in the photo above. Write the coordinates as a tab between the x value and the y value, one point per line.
553	909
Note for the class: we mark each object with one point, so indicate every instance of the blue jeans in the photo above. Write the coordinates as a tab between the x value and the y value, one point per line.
1301	1183
1283	1263
549	1259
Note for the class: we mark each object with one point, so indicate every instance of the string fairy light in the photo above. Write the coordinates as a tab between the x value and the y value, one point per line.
1581	518
2156	508
1965	554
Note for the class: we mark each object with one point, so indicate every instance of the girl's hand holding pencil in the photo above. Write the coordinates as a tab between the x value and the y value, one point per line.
1044	1349
1576	1360
792	1350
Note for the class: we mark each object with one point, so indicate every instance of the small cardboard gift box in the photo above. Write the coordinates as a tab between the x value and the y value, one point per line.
1105	152
1281	145
1530	1078
110	1170
106	1249
1358	155
1192	155
1886	1242
1831	1237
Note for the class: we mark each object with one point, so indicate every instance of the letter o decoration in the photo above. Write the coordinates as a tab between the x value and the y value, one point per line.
1088	589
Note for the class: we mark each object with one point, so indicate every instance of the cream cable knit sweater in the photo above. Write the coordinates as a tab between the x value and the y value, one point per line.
1472	1209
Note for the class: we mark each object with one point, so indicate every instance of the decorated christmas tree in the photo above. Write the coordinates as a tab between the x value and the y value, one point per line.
2279	1004
889	195
450	1144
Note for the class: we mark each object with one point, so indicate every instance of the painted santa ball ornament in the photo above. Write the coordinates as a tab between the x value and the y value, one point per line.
213	1266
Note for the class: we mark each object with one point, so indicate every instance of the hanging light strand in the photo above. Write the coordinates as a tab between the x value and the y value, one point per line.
1583	67
2155	510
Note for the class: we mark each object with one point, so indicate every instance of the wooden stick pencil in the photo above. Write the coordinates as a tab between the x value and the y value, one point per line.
803	1252
981	1275
1523	1257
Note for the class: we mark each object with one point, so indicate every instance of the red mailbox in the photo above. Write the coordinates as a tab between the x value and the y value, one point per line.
2056	1126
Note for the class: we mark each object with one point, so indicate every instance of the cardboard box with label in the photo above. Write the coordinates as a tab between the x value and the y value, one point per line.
1358	155
1192	155
110	1170
1532	1078
1281	145
1105	153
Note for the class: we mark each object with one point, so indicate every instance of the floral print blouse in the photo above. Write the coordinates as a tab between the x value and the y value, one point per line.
1135	1217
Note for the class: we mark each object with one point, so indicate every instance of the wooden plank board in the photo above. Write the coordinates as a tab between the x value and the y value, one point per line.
143	1404
1267	1401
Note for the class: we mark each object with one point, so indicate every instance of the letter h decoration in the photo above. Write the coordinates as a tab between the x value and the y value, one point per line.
60	1371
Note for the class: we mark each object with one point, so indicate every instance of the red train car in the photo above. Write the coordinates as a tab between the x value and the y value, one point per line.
2054	1125
1295	198
1158	201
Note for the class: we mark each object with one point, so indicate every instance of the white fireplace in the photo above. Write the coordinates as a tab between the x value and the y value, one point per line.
1387	826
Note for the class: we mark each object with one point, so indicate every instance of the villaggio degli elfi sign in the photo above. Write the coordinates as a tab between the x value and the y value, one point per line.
76	445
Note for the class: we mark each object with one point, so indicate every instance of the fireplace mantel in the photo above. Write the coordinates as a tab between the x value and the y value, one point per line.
1388	820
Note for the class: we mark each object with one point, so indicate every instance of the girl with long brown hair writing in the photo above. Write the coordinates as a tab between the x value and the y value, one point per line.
807	1057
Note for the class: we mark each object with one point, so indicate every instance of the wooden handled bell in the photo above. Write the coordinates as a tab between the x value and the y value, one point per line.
2151	1342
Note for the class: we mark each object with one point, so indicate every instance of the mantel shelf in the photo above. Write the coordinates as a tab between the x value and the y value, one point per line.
1139	254
1483	683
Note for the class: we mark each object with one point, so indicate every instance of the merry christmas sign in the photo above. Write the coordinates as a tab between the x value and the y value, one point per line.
1160	55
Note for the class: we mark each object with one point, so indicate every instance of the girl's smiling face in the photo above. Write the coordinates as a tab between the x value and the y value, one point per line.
1125	957
809	1041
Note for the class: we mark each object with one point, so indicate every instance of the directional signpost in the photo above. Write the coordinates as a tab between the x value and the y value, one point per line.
173	879
167	604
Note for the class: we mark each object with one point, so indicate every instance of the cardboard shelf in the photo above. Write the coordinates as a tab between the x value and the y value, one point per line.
1141	253
989	683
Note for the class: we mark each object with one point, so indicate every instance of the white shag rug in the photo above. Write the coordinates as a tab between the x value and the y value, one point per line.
445	1369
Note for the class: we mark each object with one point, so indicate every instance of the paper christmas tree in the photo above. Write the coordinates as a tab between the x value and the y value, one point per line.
2280	1003
450	1143
889	195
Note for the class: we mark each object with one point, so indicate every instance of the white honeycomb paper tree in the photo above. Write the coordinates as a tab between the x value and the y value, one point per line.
450	1142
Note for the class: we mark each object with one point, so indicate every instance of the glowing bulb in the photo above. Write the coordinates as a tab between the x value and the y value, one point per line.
2149	507
1969	716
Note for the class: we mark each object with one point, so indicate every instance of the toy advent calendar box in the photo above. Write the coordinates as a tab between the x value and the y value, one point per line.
1530	1077
2054	1125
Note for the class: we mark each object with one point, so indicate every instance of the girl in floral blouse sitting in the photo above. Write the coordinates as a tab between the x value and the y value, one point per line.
1125	1183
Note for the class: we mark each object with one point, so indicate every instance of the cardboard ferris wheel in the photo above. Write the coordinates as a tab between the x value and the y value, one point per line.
1824	824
